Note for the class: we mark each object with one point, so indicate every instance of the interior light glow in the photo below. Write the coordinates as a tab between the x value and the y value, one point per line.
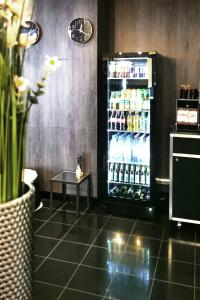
139	52
118	240
120	53
124	83
138	242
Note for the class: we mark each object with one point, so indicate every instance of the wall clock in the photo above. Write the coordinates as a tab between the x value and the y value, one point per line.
33	31
80	30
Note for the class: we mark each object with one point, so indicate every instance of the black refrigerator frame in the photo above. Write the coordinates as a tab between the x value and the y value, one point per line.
126	207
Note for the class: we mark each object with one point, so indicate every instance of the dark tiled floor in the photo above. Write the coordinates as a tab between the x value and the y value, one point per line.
100	256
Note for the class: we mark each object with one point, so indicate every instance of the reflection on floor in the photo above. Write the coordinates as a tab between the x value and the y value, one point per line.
100	256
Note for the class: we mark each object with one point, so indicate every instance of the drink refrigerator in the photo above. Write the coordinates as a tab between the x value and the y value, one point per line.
128	150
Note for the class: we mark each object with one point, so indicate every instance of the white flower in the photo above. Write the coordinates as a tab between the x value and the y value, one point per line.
27	40
51	64
16	7
12	32
22	84
6	14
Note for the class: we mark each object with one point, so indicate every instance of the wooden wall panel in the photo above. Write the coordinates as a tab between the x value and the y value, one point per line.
172	27
63	124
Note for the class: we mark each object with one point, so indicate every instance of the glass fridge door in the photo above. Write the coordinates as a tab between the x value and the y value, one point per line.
128	128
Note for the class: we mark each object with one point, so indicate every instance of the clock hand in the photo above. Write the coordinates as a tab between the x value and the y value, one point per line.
84	32
31	31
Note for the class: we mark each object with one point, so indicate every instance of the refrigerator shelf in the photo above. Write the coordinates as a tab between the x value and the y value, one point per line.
129	198
127	163
126	131
127	183
129	110
127	78
129	82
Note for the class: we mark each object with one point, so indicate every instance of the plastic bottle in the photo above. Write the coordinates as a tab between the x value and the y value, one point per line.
116	172
132	174
121	173
148	176
137	174
127	174
139	100
129	122
111	172
142	175
122	121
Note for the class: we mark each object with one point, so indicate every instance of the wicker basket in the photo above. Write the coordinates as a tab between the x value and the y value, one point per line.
16	247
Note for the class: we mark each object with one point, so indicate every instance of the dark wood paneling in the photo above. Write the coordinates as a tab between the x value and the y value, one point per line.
64	123
172	27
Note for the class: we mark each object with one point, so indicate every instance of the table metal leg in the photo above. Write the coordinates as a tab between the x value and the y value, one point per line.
77	199
64	191
88	193
51	194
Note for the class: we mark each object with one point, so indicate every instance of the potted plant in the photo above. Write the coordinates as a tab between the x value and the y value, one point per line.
16	199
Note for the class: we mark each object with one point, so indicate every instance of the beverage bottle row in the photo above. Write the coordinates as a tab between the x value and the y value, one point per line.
133	192
128	69
136	174
130	99
186	92
130	148
135	122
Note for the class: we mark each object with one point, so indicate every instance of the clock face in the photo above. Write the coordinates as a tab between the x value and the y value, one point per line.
80	30
32	30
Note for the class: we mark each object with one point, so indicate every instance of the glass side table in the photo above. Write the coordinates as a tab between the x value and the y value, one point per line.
69	177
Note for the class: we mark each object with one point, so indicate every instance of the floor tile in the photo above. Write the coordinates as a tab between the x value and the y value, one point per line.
71	206
198	236
103	258
174	271
82	235
138	265
112	240
198	276
54	230
37	261
44	291
37	224
43	246
198	253
185	233
99	209
177	250
57	203
91	280
148	230
170	291
144	246
64	217
70	252
92	221
55	272
44	213
76	295
197	294
119	225
126	287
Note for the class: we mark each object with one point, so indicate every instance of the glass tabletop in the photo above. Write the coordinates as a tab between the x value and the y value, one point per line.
69	177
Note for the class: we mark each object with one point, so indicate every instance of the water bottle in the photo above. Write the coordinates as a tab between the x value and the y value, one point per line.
127	174
137	175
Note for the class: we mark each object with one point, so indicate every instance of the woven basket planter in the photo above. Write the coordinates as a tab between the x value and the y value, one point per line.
16	247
